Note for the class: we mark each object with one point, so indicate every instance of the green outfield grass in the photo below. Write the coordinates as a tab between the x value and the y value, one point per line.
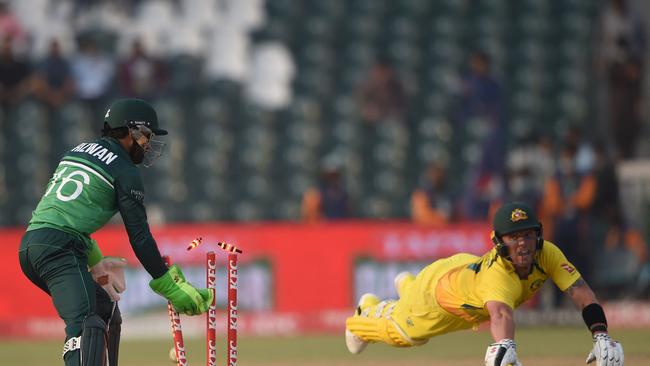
542	346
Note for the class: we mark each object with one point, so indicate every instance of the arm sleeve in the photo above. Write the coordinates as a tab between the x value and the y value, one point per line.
130	202
555	264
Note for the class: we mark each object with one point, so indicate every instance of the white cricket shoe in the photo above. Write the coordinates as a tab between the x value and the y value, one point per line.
355	344
400	279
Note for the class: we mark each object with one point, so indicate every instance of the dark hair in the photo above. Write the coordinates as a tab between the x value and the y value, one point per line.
117	133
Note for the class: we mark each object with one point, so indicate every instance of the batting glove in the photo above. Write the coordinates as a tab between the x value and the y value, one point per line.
109	273
606	351
502	353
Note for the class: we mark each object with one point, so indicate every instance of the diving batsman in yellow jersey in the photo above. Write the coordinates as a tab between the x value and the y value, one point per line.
464	290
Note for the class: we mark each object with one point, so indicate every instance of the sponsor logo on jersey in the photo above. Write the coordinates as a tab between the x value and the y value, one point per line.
536	285
567	267
518	215
138	195
409	322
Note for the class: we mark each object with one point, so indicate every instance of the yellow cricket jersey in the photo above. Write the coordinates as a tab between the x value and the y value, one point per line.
450	294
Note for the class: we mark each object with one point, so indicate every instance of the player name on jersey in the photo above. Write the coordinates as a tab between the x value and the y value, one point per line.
96	150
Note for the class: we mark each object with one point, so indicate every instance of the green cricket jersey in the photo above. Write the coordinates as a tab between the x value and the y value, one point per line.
92	182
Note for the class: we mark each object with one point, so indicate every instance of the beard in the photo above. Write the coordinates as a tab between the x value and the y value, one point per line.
523	258
136	153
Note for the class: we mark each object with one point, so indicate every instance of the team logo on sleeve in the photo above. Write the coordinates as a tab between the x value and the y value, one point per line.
567	267
518	215
137	195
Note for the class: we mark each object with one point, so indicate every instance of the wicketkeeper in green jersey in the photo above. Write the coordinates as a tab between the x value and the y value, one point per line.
92	182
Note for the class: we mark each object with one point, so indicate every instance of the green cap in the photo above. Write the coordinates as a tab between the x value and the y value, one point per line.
513	217
131	113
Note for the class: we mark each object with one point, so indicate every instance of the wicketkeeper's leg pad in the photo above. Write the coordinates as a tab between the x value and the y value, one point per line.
109	312
114	331
374	324
88	349
93	342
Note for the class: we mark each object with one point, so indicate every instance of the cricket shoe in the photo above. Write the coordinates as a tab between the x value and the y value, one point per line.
355	344
401	280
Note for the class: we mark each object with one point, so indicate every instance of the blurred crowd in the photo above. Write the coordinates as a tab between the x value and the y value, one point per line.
92	51
87	51
572	181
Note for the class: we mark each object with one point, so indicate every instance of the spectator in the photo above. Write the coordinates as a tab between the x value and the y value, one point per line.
535	154
52	81
382	95
624	236
622	53
93	73
14	74
619	238
567	200
140	75
481	99
432	203
585	154
328	201
9	24
520	186
529	165
607	200
481	94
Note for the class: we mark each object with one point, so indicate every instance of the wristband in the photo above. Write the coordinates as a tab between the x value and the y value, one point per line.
94	255
594	317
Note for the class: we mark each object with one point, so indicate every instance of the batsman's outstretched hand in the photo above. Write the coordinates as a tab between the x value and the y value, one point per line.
184	297
502	353
109	273
606	351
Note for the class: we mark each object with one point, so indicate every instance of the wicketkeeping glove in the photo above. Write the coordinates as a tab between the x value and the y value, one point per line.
184	297
109	273
502	353
606	351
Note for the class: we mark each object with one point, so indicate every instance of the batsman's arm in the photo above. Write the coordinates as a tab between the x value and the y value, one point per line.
605	350
585	300
502	326
502	323
581	294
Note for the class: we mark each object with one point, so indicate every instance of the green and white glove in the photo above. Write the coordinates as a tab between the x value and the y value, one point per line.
184	297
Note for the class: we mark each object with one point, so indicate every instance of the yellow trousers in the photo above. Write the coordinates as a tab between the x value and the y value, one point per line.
416	316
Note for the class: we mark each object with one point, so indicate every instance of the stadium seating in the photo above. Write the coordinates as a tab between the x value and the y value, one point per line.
228	159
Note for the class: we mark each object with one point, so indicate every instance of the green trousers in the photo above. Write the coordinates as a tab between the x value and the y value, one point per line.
56	262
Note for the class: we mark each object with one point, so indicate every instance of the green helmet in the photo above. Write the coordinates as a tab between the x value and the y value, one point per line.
513	217
132	113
